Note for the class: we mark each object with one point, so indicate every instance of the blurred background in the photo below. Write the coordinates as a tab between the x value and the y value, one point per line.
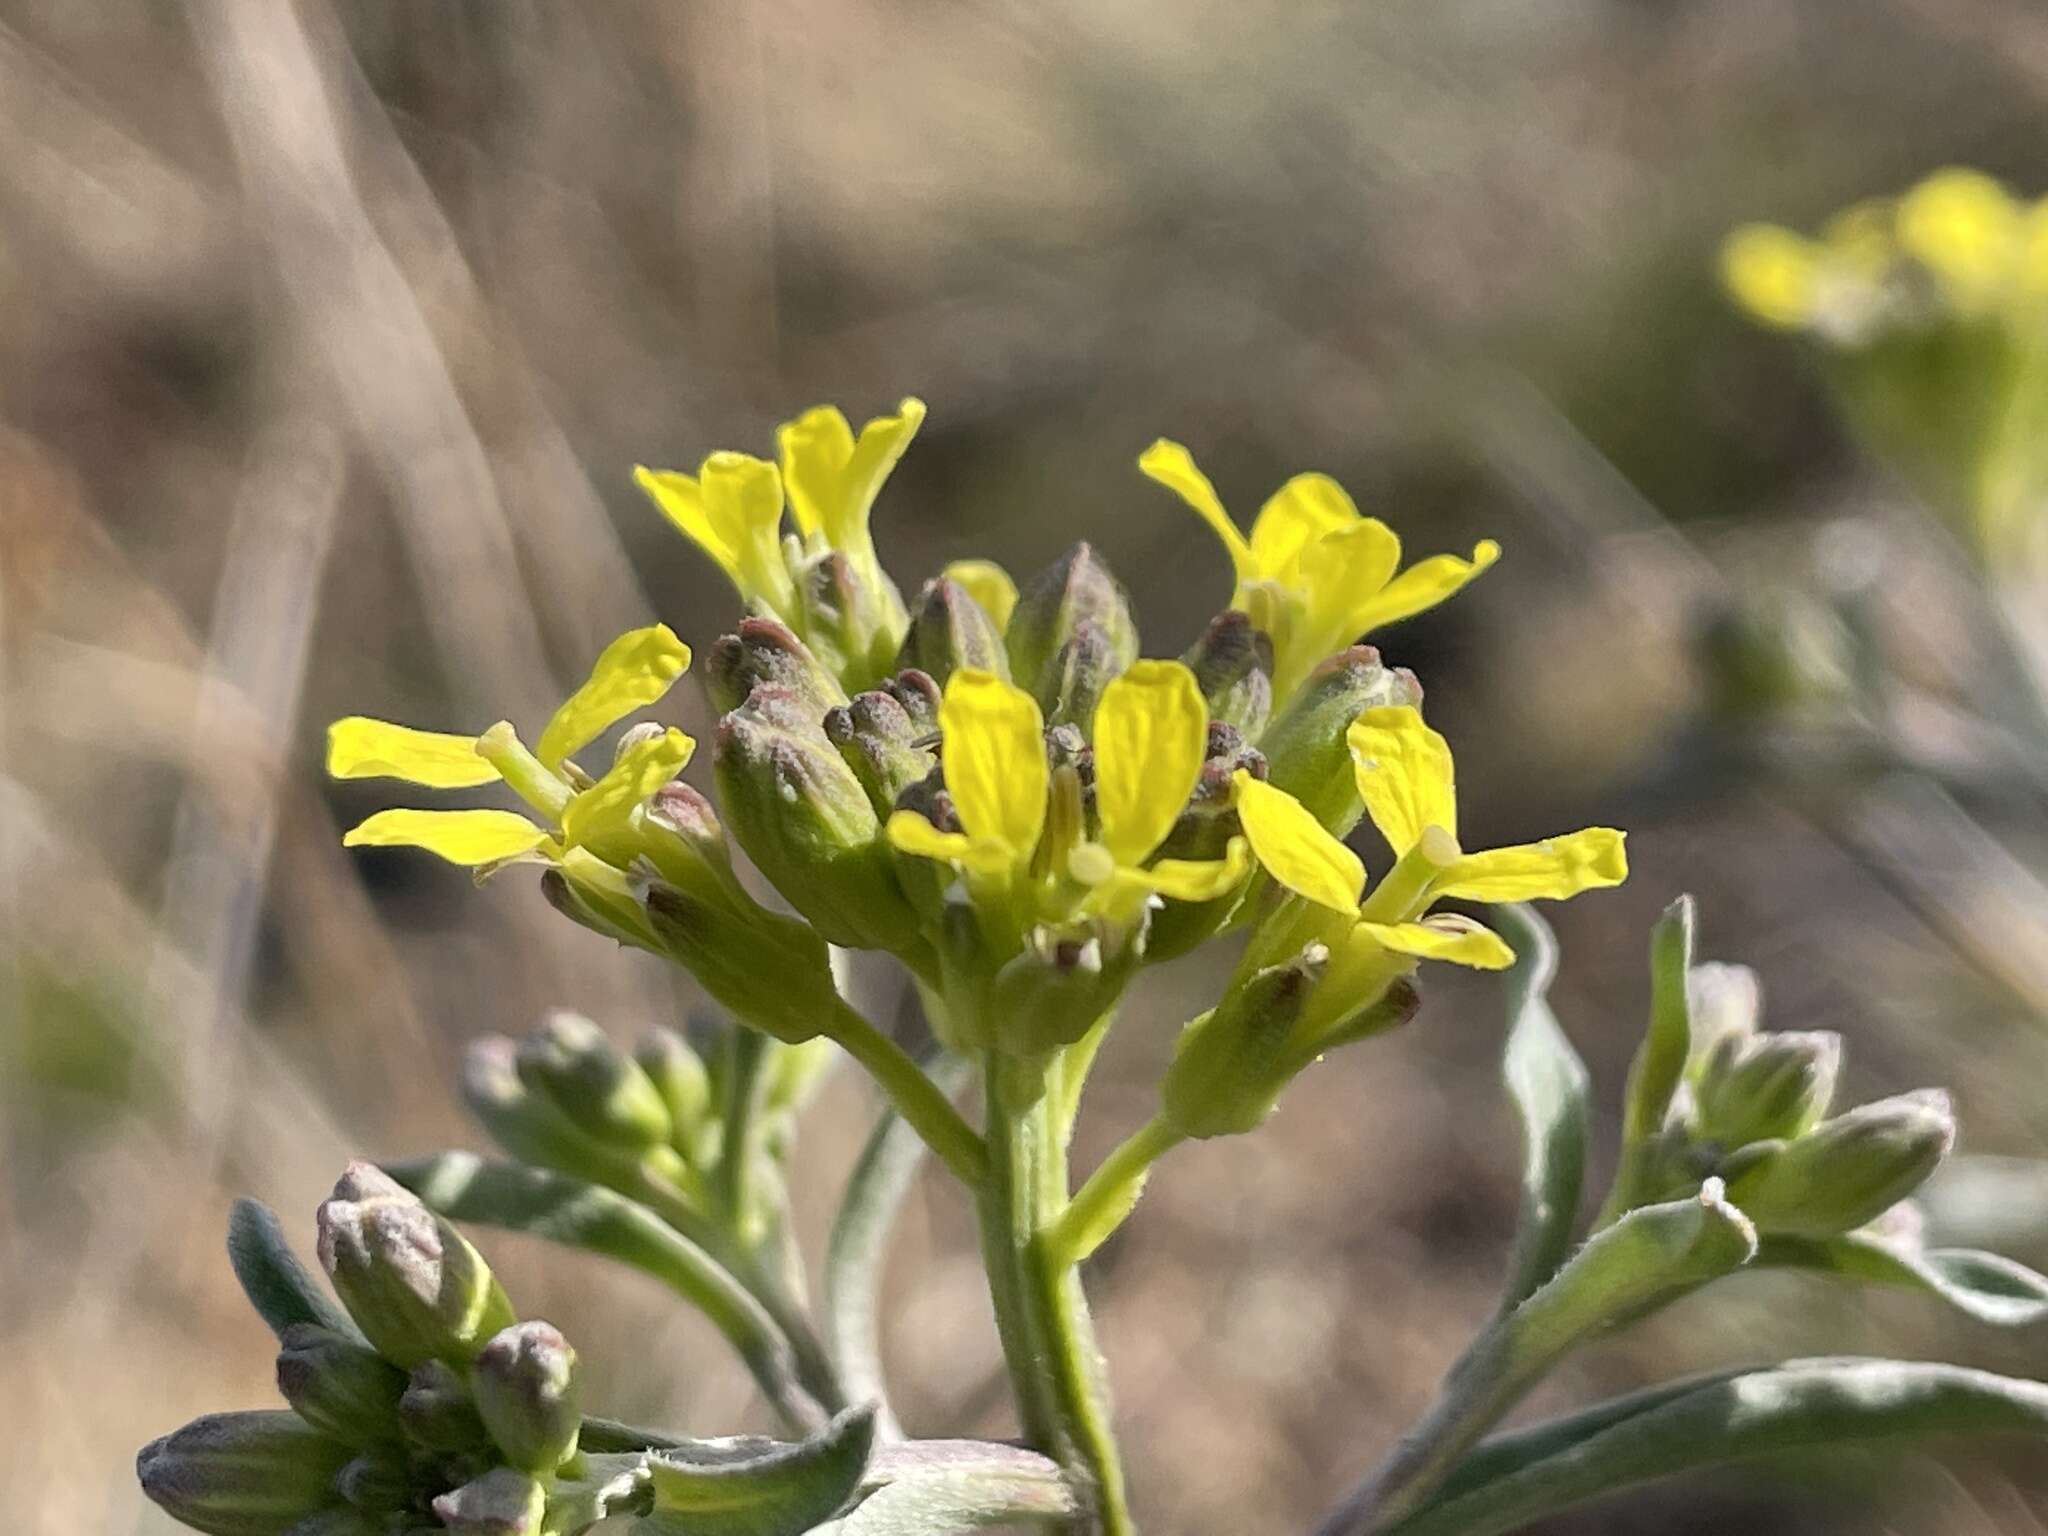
329	334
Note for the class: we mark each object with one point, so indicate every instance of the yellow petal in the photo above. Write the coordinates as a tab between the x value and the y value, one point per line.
814	450
681	500
1964	228
1456	939
911	833
1295	517
743	502
989	585
1174	467
1151	735
1773	273
1199	879
993	750
604	808
633	671
361	748
460	837
875	453
1555	868
1423	585
1294	847
1404	774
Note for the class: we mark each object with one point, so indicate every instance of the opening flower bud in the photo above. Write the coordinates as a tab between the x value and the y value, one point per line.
1753	1087
242	1474
949	629
524	1381
413	1284
337	1385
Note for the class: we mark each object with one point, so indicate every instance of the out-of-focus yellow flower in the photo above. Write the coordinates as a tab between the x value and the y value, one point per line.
577	815
1150	739
1314	575
1407	781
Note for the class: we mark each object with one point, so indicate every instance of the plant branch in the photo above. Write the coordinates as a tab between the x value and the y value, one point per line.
915	1096
1109	1195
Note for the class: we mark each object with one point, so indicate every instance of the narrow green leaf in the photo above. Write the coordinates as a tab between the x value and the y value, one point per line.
464	1187
1548	1084
281	1289
783	1490
858	1244
1659	1065
1985	1286
1800	1405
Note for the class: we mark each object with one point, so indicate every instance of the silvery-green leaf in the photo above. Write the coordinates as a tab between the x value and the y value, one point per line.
281	1289
930	1487
1659	1066
779	1490
563	1209
605	1485
1548	1084
1803	1404
1986	1286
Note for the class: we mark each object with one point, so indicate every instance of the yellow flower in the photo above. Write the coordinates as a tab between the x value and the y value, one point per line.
584	822
1314	574
732	510
1150	738
833	477
1405	777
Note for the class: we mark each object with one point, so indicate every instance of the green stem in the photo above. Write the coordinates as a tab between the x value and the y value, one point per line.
1110	1193
1041	1315
917	1098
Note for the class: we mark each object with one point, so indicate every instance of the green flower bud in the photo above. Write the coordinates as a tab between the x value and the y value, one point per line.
770	971
761	652
533	1129
241	1474
852	616
949	629
377	1483
572	1064
1056	988
503	1502
1233	666
679	1076
1071	633
437	1411
413	1284
337	1385
1756	1087
805	820
615	914
524	1381
682	837
1306	754
885	734
1849	1170
1230	1065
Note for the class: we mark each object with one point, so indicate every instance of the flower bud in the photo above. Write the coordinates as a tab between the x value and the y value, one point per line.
1756	1087
241	1474
572	1064
764	651
1230	1064
1848	1170
1233	666
770	971
503	1502
1305	750
337	1385
1071	633
611	913
1049	994
683	839
524	1381
377	1483
679	1076
413	1284
805	820
884	735
949	629
438	1412
852	615
533	1129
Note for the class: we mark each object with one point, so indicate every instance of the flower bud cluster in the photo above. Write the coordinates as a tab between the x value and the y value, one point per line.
438	1408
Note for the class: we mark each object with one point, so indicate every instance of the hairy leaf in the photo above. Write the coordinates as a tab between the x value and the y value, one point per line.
779	1490
1985	1286
281	1289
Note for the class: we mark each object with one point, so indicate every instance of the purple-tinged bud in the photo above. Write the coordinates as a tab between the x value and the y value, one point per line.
340	1387
572	1064
1233	666
1071	634
948	630
1305	750
414	1285
762	651
852	615
524	1382
242	1474
503	1502
885	736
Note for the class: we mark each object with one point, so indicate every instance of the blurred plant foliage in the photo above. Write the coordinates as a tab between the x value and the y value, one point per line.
987	782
